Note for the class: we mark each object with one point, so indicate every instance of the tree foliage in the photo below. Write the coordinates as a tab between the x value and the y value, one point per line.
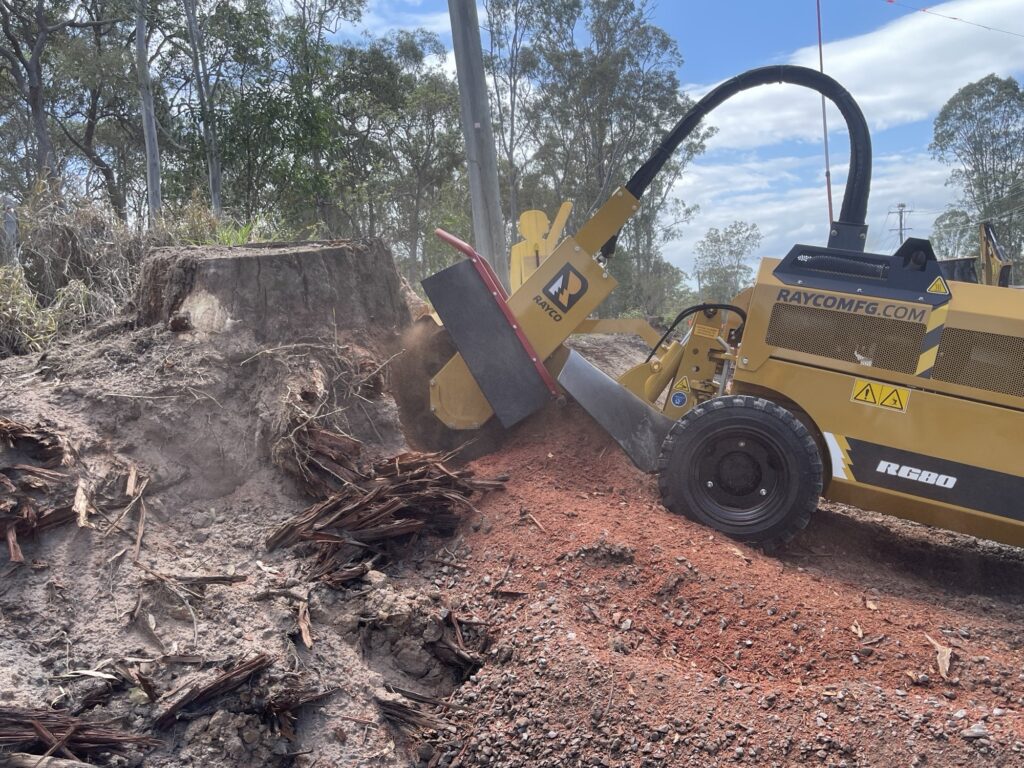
278	119
583	92
980	132
722	265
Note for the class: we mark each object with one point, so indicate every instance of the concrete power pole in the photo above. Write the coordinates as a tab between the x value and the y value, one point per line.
481	156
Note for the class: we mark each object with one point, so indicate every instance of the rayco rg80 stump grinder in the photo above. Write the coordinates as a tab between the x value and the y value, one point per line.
875	380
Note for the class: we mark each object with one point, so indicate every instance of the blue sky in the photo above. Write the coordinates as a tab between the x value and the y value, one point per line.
766	163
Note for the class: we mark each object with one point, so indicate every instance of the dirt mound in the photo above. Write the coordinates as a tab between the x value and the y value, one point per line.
250	383
625	635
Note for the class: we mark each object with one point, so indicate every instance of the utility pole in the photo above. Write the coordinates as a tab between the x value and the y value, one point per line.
902	211
481	156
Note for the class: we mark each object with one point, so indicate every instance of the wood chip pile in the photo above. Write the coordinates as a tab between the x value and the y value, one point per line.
406	494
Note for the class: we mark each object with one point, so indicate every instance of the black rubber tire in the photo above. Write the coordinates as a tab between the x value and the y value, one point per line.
743	466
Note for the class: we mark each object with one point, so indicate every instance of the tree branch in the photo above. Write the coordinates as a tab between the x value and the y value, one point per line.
12	38
15	68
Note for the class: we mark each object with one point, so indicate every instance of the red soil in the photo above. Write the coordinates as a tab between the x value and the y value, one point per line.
625	635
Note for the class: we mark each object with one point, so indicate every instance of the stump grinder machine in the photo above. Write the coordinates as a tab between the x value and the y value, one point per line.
874	380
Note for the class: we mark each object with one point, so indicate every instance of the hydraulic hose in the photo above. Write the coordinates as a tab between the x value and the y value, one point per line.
692	311
858	183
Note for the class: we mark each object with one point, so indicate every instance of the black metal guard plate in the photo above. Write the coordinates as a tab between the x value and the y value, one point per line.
492	350
633	424
905	276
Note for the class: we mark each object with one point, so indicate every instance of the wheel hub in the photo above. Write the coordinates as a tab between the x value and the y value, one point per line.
739	473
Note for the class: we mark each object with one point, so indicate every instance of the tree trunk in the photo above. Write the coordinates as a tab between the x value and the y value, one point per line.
8	233
45	163
206	106
154	197
26	68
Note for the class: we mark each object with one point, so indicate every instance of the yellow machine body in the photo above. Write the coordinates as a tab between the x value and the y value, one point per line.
874	379
854	378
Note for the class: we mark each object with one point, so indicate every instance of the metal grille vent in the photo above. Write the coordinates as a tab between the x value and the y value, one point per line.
847	266
877	341
988	361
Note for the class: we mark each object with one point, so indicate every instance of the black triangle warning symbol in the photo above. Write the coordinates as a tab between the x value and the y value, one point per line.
893	400
938	286
866	395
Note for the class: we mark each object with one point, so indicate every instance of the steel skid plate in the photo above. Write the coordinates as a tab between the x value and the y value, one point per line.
637	427
489	345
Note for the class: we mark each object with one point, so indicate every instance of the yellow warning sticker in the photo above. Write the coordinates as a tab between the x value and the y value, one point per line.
683	385
939	286
881	395
706	331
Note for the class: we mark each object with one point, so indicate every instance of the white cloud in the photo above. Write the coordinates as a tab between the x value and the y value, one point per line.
383	16
789	208
900	73
448	65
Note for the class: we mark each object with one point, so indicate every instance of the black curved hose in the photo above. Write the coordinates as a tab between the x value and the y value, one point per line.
692	311
858	183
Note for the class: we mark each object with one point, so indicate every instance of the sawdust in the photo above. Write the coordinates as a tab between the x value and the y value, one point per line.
625	635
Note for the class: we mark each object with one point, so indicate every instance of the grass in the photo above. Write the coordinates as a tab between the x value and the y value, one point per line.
80	264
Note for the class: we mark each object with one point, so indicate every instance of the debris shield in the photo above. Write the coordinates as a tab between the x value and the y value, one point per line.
634	425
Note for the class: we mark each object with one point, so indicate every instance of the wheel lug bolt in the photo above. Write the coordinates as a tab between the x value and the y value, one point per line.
743	444
763	491
710	484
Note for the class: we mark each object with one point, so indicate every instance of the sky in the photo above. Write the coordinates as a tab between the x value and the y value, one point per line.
766	163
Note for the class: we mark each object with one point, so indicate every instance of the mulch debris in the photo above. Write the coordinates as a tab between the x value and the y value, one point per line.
394	497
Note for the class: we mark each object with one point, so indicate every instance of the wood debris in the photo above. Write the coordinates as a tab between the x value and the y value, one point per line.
943	656
305	626
284	705
406	715
43	731
395	497
39	485
226	682
324	461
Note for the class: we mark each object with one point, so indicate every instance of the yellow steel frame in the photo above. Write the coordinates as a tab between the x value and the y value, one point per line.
455	397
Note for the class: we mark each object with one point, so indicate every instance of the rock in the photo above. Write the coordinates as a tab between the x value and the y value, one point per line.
375	578
976	731
411	658
138	697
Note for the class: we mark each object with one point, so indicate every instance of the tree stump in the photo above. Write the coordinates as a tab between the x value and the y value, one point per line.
277	291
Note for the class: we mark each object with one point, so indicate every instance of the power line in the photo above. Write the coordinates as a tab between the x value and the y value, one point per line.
930	12
983	219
